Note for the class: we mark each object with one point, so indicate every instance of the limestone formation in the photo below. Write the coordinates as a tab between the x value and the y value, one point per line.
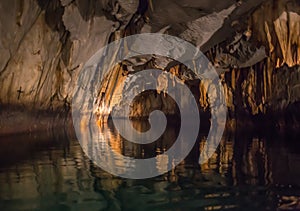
254	44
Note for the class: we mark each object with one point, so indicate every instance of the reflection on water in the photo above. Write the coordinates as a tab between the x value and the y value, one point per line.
50	171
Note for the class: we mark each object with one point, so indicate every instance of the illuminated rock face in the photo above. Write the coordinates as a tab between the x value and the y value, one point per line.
45	45
254	46
277	24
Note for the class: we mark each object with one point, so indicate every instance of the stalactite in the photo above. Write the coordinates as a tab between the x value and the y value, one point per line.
46	43
276	24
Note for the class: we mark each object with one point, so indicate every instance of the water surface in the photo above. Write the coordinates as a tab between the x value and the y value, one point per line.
49	171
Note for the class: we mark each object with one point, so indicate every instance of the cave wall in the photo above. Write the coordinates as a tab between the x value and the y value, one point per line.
253	44
44	44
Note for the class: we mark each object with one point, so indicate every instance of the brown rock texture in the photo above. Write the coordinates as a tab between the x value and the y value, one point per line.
253	44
